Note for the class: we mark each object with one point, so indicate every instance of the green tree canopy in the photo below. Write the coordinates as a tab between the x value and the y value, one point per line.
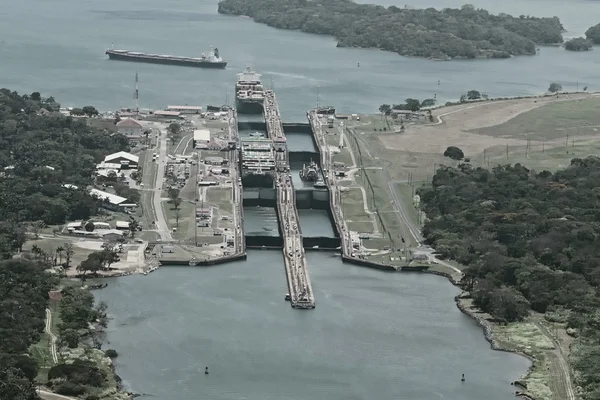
440	34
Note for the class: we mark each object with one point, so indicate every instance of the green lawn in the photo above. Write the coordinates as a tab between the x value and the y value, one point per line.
186	219
551	121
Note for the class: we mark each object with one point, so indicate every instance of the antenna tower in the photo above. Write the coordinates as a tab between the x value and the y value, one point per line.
137	97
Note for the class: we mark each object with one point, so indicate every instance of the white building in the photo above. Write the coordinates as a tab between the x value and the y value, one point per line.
122	225
109	200
130	128
124	159
186	109
201	138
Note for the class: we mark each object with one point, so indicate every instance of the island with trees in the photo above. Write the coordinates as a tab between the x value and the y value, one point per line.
578	44
47	162
531	243
436	34
593	34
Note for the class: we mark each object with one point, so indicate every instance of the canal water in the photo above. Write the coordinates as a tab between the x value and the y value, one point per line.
373	335
57	47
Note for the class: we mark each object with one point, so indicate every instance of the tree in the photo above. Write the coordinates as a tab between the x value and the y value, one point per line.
90	111
385	109
35	96
428	103
473	95
176	203
68	254
454	153
89	226
175	199
134	226
36	228
555	87
174	128
413	104
59	253
177	215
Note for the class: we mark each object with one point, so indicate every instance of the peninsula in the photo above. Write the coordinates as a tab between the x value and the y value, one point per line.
437	34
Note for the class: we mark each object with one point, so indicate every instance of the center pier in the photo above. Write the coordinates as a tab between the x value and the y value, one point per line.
300	289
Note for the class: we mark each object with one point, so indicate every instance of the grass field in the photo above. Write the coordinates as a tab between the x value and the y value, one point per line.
551	121
221	198
186	218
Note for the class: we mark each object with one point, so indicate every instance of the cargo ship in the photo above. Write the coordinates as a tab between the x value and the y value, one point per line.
249	92
310	172
206	60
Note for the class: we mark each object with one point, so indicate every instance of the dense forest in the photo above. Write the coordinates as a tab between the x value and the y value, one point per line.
530	241
450	33
39	154
24	290
41	150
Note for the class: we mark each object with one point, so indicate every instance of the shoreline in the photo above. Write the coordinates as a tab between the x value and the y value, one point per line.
488	327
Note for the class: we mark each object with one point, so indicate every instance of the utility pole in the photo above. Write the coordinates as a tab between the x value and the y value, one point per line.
137	97
507	151
196	202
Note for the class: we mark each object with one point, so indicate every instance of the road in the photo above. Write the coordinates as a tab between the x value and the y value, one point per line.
162	227
53	338
560	373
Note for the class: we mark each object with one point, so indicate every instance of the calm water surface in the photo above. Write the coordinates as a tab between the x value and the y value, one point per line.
57	47
373	336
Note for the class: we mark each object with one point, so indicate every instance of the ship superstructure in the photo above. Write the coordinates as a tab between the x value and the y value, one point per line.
209	59
249	92
310	172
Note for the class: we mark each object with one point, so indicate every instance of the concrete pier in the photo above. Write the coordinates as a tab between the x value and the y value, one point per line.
300	289
335	199
239	246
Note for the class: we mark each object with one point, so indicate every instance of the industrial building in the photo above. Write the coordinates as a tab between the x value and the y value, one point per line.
186	109
201	138
111	201
130	128
124	159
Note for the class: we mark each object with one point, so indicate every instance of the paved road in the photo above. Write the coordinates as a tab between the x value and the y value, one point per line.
162	227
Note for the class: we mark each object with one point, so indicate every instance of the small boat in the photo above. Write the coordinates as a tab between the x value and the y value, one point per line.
288	297
310	172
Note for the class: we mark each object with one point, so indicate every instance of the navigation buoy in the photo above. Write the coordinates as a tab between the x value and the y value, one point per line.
206	371
461	379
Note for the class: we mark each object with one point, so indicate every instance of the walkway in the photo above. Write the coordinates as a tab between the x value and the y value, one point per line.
53	338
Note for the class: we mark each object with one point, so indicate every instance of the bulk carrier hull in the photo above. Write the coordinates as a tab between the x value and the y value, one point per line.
168	60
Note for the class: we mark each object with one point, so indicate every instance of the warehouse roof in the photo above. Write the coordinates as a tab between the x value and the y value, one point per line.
123	154
112	198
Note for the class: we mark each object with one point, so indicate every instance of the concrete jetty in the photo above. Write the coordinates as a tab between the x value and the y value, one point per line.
239	246
335	200
300	289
